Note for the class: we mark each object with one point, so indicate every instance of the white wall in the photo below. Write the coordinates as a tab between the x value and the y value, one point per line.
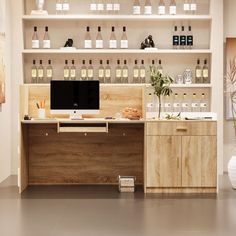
229	31
5	111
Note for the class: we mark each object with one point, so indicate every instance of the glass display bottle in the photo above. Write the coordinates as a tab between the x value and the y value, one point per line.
59	7
40	72
116	6
205	73
49	71
203	103
99	40
190	38
46	39
176	38
83	71
136	7
198	73
136	72
161	8
90	70
113	41
35	39
101	73
34	73
88	40
142	72
118	72
108	72
148	7
124	44
66	71
66	6
125	73
172	9
159	67
73	71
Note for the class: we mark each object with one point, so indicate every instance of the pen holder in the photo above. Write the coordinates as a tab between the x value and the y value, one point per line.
41	113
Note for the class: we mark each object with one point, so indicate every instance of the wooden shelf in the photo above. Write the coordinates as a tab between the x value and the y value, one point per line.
116	51
92	17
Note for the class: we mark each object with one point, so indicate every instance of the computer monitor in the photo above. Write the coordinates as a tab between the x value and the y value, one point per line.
75	98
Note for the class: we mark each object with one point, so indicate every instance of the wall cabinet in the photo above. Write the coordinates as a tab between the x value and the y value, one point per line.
181	156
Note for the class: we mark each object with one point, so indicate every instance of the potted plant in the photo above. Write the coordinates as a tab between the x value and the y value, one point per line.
230	80
161	84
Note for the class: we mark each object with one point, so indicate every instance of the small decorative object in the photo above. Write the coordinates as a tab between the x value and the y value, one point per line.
39	4
232	171
69	43
188	77
131	113
161	84
27	117
126	184
179	79
148	43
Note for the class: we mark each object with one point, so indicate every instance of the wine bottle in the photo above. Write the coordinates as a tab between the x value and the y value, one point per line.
59	7
161	8
159	67
124	43
116	6
88	40
185	104
101	72
198	73
35	39
172	9
118	72
49	71
93	6
136	72
183	38
203	103
40	72
83	71
190	38
205	73
99	40
136	7
109	6
66	71
176	103
113	41
193	6
108	72
66	6
142	72
195	103
100	6
34	73
186	6
90	70
148	7
125	73
73	71
46	39
176	38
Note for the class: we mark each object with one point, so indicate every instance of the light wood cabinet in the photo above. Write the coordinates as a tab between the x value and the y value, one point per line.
182	158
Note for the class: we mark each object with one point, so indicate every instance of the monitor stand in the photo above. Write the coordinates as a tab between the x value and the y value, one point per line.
76	116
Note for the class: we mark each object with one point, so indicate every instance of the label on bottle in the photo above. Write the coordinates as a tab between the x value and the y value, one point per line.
109	6
186	6
49	73
66	73
118	73
185	105
40	73
195	105
175	40
167	105
112	44
100	7
203	105
205	73
193	7
136	73
90	73
99	43
72	73
101	73
35	43
176	105
58	7
148	10
107	73
183	40
136	10
83	73
46	44
172	10
143	73
161	10
34	73
93	7
124	44
87	43
125	73
198	73
66	6
116	6
190	40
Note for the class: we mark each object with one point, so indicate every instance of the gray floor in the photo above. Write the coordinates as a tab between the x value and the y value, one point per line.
86	211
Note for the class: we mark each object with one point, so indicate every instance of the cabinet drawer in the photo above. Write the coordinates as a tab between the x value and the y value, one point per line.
182	128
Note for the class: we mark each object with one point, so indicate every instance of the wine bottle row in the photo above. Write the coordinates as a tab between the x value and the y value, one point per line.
139	7
184	102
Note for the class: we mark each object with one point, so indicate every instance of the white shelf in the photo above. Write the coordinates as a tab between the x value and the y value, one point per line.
191	86
115	51
119	17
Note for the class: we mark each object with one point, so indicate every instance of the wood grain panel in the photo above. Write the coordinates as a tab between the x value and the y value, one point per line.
182	190
191	161
183	128
78	159
113	99
163	161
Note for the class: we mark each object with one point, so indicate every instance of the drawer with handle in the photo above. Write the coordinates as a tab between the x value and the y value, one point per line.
181	128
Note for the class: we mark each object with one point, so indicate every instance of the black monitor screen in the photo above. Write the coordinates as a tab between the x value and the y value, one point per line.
75	95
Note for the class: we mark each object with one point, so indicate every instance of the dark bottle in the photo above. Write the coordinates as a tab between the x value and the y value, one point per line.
183	38
190	38
175	38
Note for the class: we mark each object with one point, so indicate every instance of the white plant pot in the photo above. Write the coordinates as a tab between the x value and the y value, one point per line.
232	171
